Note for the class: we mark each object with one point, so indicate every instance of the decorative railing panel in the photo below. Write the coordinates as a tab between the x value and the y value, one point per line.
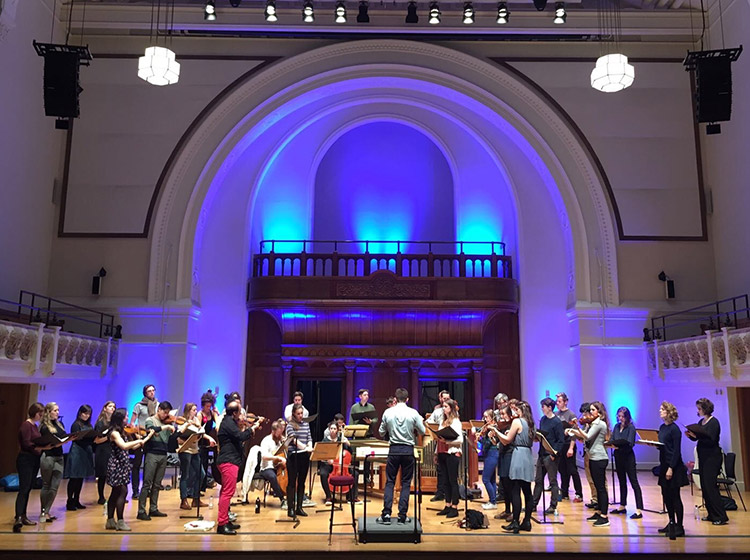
720	353
42	349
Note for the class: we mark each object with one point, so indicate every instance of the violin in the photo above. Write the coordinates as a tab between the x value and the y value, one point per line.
179	420
135	430
586	418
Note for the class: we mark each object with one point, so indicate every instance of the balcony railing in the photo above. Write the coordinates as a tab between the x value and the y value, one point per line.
730	312
408	259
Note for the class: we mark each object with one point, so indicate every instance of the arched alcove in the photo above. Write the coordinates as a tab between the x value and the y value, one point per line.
515	166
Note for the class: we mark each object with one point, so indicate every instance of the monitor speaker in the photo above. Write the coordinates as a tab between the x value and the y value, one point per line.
61	86
713	89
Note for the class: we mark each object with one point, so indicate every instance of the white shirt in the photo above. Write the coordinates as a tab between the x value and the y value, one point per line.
268	448
288	412
455	445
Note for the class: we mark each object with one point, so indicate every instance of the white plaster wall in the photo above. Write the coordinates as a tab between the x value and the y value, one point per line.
29	154
726	164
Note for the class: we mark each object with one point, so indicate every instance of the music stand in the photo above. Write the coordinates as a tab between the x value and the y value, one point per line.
651	438
326	451
547	447
195	436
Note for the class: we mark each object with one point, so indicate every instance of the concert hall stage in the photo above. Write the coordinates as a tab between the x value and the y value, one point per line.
80	535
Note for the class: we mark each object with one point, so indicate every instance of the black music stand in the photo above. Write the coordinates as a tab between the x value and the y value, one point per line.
544	521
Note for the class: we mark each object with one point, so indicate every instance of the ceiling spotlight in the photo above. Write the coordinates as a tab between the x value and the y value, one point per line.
235	3
503	14
468	13
411	13
363	16
340	12
209	11
308	13
560	14
434	14
270	12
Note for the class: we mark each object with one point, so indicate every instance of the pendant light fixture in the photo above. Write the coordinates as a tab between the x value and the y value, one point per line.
612	72
158	66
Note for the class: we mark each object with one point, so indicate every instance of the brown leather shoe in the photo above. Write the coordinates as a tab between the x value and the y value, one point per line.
185	504
198	501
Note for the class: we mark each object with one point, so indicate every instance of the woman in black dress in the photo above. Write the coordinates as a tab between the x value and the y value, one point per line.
672	471
80	461
119	470
102	448
623	436
710	458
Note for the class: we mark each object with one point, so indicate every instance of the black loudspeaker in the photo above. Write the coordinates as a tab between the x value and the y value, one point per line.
713	89
61	86
669	289
96	285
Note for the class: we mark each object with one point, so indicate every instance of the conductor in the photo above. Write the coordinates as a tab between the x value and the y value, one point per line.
399	424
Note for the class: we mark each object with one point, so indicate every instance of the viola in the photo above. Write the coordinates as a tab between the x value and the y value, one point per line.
341	468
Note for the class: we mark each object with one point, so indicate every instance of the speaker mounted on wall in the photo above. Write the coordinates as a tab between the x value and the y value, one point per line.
713	85
61	78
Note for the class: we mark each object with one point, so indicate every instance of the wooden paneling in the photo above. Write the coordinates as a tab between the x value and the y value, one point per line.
14	402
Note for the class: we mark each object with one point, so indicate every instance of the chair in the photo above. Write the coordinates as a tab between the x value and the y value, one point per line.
258	478
730	478
337	483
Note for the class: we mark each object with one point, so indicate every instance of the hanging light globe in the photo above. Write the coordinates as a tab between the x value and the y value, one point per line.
612	73
159	67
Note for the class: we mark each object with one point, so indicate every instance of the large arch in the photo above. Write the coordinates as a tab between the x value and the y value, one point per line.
538	156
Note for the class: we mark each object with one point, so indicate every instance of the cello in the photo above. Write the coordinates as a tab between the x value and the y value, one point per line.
342	467
282	475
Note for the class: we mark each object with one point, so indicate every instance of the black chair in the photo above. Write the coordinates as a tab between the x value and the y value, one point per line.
256	476
730	478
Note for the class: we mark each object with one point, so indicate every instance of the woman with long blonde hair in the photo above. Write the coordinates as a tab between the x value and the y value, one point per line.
51	464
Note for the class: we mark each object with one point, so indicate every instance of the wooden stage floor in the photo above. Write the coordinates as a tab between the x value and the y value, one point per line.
80	534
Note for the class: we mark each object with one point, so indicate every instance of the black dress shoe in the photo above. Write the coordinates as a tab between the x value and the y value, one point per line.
512	527
17	524
70	506
671	532
79	505
525	526
452	512
664	529
225	530
290	513
234	526
720	522
28	522
301	512
102	501
157	513
143	517
444	511
679	531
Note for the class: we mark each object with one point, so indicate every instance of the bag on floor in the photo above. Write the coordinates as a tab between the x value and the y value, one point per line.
9	483
475	520
729	503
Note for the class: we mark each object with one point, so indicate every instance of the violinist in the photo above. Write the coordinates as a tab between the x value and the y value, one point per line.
551	427
190	460
232	434
598	458
208	417
491	455
142	410
585	423
519	437
155	461
326	468
271	460
505	418
299	448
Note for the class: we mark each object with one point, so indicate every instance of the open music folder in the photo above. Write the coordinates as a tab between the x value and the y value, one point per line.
648	437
